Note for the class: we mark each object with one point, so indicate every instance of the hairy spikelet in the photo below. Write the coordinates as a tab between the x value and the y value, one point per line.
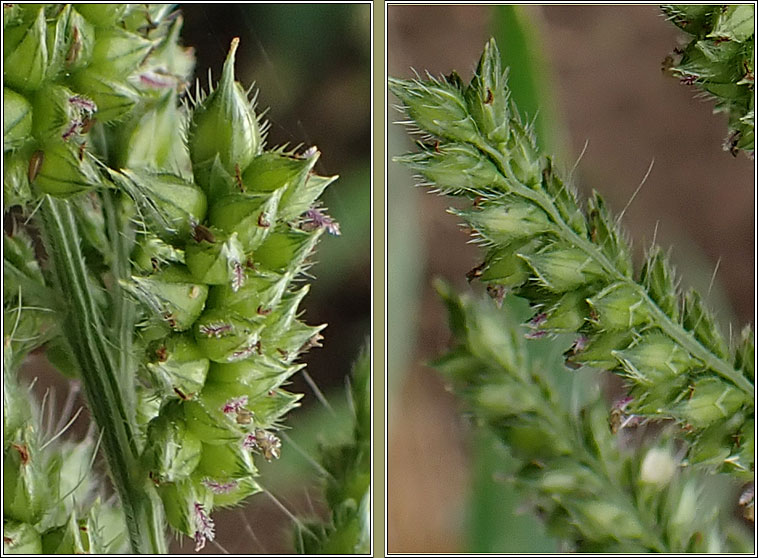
584	482
719	60
175	244
347	471
52	503
575	267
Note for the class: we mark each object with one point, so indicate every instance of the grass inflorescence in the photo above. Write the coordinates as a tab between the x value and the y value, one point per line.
573	264
173	248
719	60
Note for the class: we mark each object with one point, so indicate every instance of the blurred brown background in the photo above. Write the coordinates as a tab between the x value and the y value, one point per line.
605	67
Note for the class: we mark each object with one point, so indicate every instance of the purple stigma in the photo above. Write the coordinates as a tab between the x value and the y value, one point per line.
315	219
203	527
234	404
220	487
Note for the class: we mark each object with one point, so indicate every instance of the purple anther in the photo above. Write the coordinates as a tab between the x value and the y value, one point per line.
71	130
538	320
250	442
234	404
82	103
238	276
310	152
243	353
157	81
203	527
497	293
315	219
537	334
215	329
264	442
220	487
268	444
580	344
622	403
748	496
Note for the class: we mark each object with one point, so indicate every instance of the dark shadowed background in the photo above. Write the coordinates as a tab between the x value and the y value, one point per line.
311	63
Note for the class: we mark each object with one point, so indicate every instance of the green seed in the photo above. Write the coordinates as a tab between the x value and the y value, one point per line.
230	461
503	223
598	350
224	337
438	107
67	539
172	294
601	517
17	119
71	39
272	170
564	268
619	306
102	15
711	400
735	23
181	501
217	262
152	253
114	98
256	298
26	486
150	142
177	365
118	53
486	96
284	251
169	203
16	190
58	170
21	538
456	168
260	374
210	425
171	451
568	314
505	267
231	492
26	58
224	124
251	217
55	115
655	358
283	336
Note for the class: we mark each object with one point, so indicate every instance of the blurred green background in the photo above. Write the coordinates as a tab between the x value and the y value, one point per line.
592	77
